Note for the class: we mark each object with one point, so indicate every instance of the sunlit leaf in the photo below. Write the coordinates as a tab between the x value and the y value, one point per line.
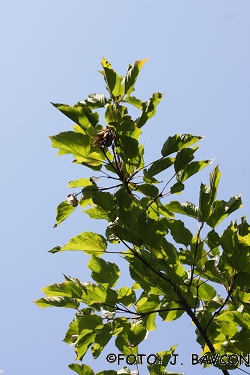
63	211
79	114
89	242
149	109
104	272
134	101
170	311
132	74
81	369
113	80
147	304
126	296
73	143
95	101
80	183
57	302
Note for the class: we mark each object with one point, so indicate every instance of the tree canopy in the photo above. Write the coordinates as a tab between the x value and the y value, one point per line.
173	271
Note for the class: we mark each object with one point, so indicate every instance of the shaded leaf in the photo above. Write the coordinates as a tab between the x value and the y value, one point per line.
179	232
192	168
222	209
160	165
149	109
178	142
183	158
148	190
177	187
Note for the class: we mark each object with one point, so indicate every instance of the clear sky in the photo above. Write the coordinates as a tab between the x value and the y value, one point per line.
199	56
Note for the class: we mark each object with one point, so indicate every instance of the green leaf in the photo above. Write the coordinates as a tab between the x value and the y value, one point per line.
80	183
192	168
136	334
95	101
89	324
81	369
159	367
104	200
83	344
69	289
113	115
73	143
57	302
178	142
205	207
170	310
203	290
149	109
208	195
89	242
128	207
97	213
63	211
214	182
222	209
159	166
148	190
148	179
103	272
237	254
179	232
100	294
127	147
132	74
126	296
72	333
147	304
177	187
183	158
101	340
186	208
149	321
113	81
80	114
149	230
133	101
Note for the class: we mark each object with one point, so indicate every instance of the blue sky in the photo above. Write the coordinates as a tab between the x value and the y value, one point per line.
199	56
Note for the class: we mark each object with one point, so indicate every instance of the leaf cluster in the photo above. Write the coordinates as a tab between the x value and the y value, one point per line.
174	271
